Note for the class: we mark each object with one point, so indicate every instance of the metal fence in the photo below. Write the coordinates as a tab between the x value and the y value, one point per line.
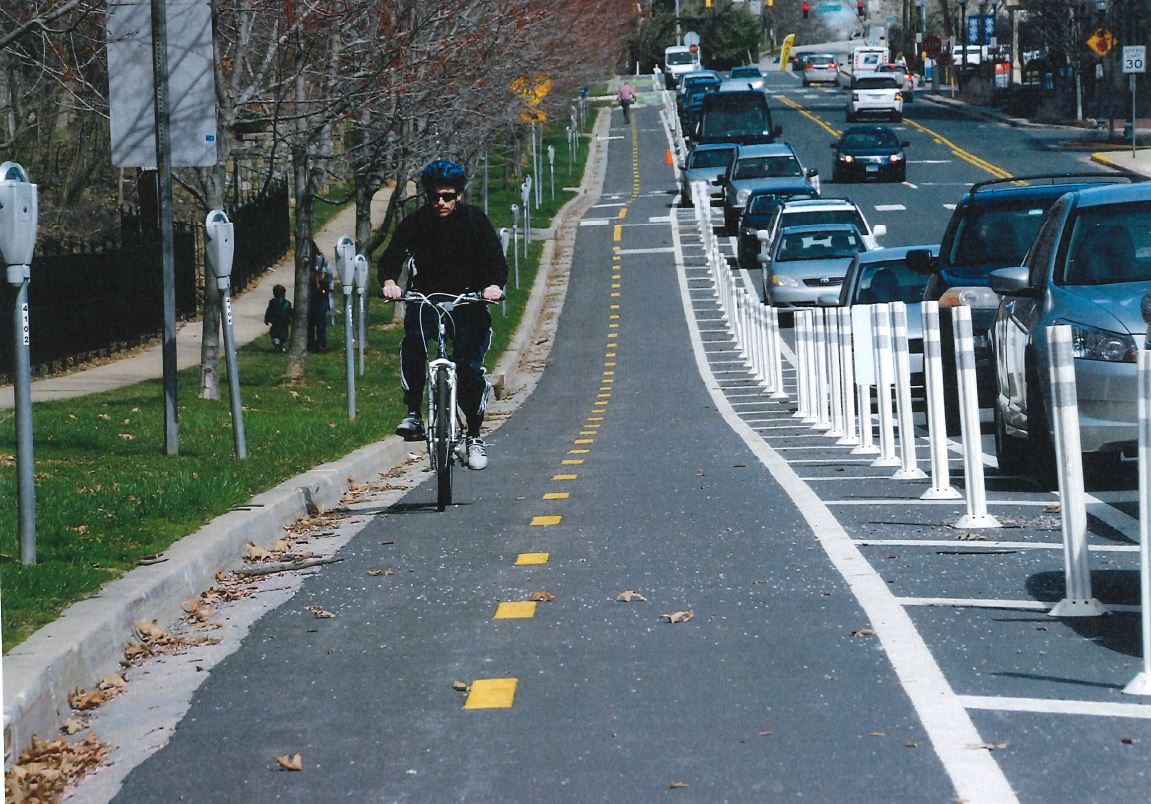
90	300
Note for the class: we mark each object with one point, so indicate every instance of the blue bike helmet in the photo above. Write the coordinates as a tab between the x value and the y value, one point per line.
443	173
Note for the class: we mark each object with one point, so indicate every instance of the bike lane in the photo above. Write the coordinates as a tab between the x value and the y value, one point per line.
616	475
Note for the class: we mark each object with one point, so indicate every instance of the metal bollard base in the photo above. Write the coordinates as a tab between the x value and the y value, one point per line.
865	449
834	432
1140	685
909	474
969	521
780	395
1071	607
941	493
892	461
847	441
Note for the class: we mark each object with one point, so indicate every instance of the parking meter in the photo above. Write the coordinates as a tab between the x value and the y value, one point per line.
525	197
219	246
505	239
515	233
19	216
345	255
360	277
552	168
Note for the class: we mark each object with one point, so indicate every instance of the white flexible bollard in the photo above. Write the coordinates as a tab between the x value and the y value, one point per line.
1078	600
881	328
863	350
822	414
976	494
759	313
803	367
834	371
847	379
1141	684
776	345
941	488
909	461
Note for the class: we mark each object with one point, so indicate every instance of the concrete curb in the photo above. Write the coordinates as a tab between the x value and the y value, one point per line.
991	114
85	643
1108	160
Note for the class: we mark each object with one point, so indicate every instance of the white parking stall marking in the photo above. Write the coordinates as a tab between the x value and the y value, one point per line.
1047	706
595	221
949	206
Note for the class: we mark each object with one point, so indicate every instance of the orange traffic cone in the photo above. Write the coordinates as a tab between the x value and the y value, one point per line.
667	157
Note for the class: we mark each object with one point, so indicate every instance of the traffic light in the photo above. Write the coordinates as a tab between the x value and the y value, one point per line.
806	9
859	7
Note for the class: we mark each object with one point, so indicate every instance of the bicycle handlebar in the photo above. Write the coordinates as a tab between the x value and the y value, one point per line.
447	300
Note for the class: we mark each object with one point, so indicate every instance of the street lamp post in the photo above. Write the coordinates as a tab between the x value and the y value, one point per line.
962	38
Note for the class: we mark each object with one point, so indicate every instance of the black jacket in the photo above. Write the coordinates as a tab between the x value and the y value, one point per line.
453	255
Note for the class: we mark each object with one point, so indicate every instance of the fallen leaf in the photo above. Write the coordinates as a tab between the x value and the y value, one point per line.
862	632
112	682
971	537
542	597
47	767
678	616
295	762
911	744
1053	508
877	734
630	596
988	746
281	546
459	686
677	786
374	573
1129	740
257	553
322	614
73	725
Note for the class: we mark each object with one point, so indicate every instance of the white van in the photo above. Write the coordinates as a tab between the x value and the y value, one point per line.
867	59
677	60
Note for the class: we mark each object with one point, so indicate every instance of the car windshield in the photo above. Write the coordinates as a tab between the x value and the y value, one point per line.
819	60
796	246
816	216
1109	244
696	81
764	167
711	157
745	72
680	58
735	123
875	82
888	281
880	138
767	203
996	236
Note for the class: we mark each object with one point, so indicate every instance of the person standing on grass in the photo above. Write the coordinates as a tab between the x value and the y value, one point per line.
455	250
319	302
279	317
626	99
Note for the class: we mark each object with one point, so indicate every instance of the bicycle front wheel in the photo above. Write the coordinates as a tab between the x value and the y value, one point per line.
443	440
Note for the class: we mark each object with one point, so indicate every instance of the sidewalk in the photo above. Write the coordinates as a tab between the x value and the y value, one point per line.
247	322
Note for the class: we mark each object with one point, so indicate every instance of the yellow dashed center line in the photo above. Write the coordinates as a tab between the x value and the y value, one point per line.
557	495
491	693
617	233
548	520
532	559
572	461
564	477
515	610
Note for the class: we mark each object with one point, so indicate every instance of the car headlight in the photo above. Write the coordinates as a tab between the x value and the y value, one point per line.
747	232
784	281
897	157
846	158
741	197
1092	343
974	297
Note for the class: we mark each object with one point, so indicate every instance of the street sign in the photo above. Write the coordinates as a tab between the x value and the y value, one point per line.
691	39
933	45
1101	42
828	8
977	33
1134	59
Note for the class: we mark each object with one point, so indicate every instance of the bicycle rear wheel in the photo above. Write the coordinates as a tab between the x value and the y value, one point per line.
443	440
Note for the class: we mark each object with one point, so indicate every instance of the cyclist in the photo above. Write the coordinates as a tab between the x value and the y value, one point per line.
454	249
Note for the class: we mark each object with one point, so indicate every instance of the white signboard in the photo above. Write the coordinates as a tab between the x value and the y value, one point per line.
191	85
1134	59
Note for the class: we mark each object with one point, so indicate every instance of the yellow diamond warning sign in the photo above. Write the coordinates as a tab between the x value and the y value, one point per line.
1101	42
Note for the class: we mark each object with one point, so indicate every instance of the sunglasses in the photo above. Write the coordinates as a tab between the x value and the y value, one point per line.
448	196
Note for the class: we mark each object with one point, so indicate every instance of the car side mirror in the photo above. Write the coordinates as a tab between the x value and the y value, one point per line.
777	131
905	145
879	230
717	182
812	173
919	261
681	165
1014	281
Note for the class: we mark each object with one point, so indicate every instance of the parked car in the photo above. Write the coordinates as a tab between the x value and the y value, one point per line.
864	153
739	117
906	77
825	210
753	166
705	163
819	68
875	95
993	226
1089	267
806	262
881	276
758	212
749	74
697	79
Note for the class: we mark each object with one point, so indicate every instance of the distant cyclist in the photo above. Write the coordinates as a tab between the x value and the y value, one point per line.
454	250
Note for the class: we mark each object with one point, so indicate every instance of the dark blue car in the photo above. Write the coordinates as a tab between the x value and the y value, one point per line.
760	209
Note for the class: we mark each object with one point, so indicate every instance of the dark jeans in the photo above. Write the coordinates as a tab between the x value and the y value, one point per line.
318	328
470	331
626	106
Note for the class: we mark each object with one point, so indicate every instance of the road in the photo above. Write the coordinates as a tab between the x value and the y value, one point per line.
844	644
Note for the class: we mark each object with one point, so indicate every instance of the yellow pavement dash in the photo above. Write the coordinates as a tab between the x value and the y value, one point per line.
595	418
515	610
613	325
614	317
557	495
564	477
599	410
585	440
531	559
610	354
623	213
589	425
616	294
617	233
578	451
615	284
613	306
572	461
545	521
610	363
491	693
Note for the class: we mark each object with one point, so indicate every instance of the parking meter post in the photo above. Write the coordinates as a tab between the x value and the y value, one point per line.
19	218
515	238
1141	684
360	279
881	327
976	494
345	256
219	245
847	379
1078	600
539	165
525	198
485	158
909	460
552	168
941	488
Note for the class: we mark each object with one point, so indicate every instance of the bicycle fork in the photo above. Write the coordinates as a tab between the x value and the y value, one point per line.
434	369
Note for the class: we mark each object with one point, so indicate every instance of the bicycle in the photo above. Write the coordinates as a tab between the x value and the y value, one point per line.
445	428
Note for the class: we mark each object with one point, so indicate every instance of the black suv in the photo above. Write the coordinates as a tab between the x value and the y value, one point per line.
992	227
742	117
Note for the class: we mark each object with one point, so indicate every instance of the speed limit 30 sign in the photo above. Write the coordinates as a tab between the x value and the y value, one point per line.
1134	59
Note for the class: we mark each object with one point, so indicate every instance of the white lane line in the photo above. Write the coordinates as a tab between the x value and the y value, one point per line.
976	775
982	603
847	477
1095	548
949	206
1124	523
667	250
1048	706
890	208
612	204
596	221
896	501
910	185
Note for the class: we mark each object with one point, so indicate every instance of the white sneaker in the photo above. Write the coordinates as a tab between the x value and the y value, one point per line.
477	453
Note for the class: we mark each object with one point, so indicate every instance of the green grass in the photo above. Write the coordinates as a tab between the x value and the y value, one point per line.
107	495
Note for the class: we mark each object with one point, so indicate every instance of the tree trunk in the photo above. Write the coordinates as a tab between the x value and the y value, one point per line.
297	365
214	180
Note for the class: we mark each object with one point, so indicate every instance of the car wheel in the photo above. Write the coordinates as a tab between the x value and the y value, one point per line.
898	118
850	117
1012	453
729	221
902	174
